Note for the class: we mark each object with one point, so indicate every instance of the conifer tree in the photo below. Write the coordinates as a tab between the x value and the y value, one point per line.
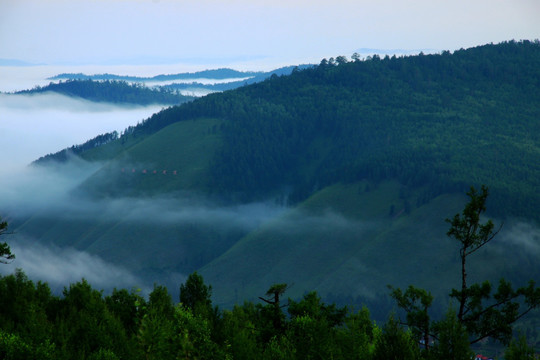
5	252
482	314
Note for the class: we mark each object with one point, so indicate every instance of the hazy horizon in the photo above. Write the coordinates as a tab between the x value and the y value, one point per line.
117	32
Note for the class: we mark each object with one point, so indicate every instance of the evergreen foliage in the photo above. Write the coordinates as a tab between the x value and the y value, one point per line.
5	251
394	342
453	341
519	349
481	314
84	324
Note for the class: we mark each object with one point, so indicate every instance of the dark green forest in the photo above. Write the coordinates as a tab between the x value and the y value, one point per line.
84	323
118	92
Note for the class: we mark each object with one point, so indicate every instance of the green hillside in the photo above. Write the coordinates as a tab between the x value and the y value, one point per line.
348	244
179	154
442	122
368	156
118	232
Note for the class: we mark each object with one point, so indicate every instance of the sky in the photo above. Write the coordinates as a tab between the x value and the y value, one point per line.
236	32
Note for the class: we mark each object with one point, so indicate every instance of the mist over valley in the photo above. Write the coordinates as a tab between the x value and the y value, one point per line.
327	177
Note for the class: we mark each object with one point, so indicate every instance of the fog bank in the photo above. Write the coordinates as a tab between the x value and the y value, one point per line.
32	126
60	267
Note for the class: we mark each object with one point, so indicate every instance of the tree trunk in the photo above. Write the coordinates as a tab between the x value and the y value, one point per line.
463	296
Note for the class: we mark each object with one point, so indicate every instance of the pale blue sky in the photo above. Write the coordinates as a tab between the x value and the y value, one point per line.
146	31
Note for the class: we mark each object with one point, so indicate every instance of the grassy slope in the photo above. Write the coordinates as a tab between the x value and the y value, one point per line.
186	147
343	241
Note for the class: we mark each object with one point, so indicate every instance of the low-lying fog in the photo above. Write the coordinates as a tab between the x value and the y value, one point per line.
16	78
32	126
35	125
48	190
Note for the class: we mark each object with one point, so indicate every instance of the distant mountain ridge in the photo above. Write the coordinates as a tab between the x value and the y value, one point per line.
246	78
235	84
419	119
223	73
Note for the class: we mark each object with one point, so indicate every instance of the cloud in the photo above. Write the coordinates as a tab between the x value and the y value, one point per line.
60	267
51	189
33	126
31	189
174	209
522	236
50	192
298	221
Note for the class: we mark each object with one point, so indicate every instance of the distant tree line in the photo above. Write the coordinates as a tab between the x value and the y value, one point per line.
114	91
256	77
220	74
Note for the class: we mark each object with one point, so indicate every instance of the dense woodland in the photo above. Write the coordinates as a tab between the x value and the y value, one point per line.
118	92
444	121
84	323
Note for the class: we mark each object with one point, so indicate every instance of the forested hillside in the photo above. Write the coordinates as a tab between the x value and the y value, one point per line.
444	122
